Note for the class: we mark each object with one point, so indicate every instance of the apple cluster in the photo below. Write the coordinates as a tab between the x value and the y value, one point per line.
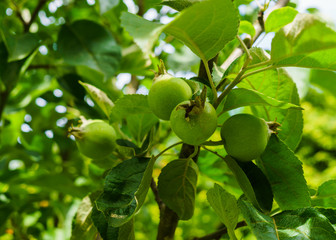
244	136
170	99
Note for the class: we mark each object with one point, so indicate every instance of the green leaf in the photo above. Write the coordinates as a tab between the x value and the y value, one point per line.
118	201
106	231
202	27
277	84
241	97
131	104
86	43
260	184
99	97
324	79
262	225
217	73
20	46
239	2
179	5
144	32
128	144
242	180
284	171
12	130
183	59
213	167
306	223
301	224
177	186
253	183
100	222
6	210
140	124
126	231
328	202
300	44
64	184
246	27
330	214
70	83
279	18
206	27
10	71
225	206
83	227
134	61
142	191
327	189
107	5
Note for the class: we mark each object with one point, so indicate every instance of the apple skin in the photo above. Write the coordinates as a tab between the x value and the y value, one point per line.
197	127
245	136
165	93
95	139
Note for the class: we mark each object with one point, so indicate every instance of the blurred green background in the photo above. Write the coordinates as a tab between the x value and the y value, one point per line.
43	177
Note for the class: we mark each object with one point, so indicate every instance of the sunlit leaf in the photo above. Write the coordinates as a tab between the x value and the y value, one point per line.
100	98
179	5
241	97
131	104
145	33
83	226
246	27
206	27
225	206
300	44
279	18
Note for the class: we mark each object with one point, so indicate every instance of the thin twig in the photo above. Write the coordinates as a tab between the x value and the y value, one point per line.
156	195
256	71
213	87
34	14
238	77
219	233
41	66
141	5
243	45
259	64
171	146
214	152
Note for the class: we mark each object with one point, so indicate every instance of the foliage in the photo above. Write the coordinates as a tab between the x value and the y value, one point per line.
64	62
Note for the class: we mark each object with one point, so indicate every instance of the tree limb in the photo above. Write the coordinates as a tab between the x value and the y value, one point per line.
141	5
156	195
219	233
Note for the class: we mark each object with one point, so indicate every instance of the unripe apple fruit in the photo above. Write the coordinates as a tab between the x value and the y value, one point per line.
193	124
95	138
165	93
245	136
